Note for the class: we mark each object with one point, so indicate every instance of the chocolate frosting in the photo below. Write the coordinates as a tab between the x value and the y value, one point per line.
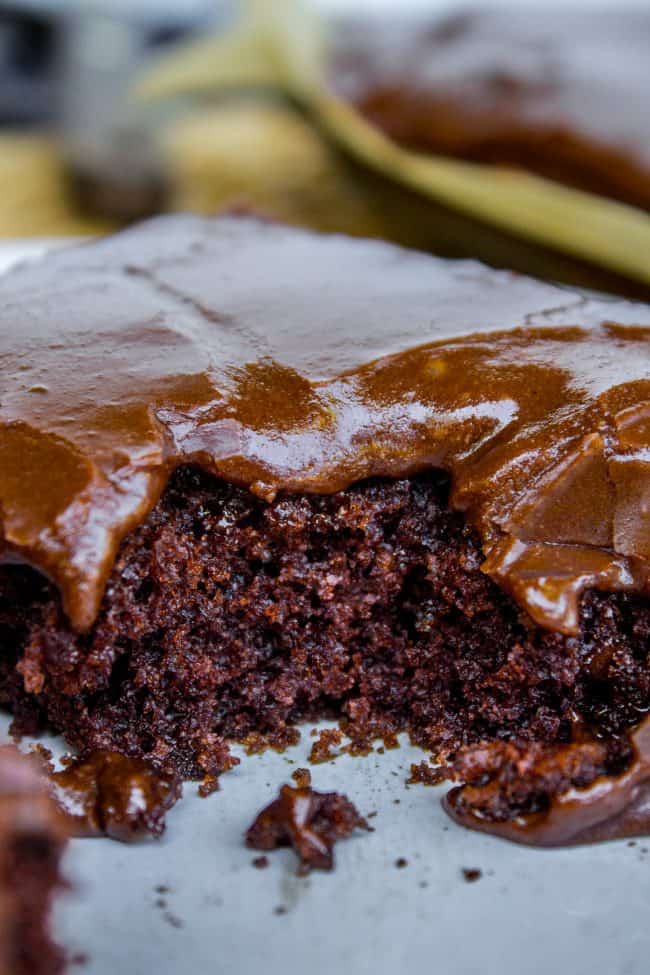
309	821
612	807
282	360
108	794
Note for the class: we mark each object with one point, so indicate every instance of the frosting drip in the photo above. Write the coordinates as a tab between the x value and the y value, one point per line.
286	361
612	807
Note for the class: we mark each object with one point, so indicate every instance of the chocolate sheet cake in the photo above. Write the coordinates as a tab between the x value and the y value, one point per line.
251	475
32	839
559	91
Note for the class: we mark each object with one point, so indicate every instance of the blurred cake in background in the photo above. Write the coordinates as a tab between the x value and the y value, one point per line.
559	91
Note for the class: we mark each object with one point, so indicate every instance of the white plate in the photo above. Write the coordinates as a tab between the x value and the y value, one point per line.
532	912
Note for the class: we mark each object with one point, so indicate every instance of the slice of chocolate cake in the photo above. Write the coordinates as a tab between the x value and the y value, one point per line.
557	90
251	476
32	838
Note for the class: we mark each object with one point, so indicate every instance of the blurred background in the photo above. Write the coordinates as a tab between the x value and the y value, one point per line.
78	156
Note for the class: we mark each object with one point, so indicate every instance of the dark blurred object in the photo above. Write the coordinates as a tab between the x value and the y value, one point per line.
28	33
111	146
33	34
69	64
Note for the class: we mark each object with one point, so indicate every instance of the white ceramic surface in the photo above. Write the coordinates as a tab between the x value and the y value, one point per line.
582	911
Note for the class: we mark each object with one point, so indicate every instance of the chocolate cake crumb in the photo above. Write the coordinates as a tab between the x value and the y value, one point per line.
391	741
173	920
208	786
321	750
261	863
423	773
220	760
309	821
107	794
401	862
302	778
471	874
255	743
360	746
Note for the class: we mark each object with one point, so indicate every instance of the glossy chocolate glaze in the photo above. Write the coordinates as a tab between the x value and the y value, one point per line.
558	90
108	794
612	807
286	361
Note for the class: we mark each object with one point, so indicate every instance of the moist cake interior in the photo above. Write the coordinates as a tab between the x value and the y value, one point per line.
226	615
